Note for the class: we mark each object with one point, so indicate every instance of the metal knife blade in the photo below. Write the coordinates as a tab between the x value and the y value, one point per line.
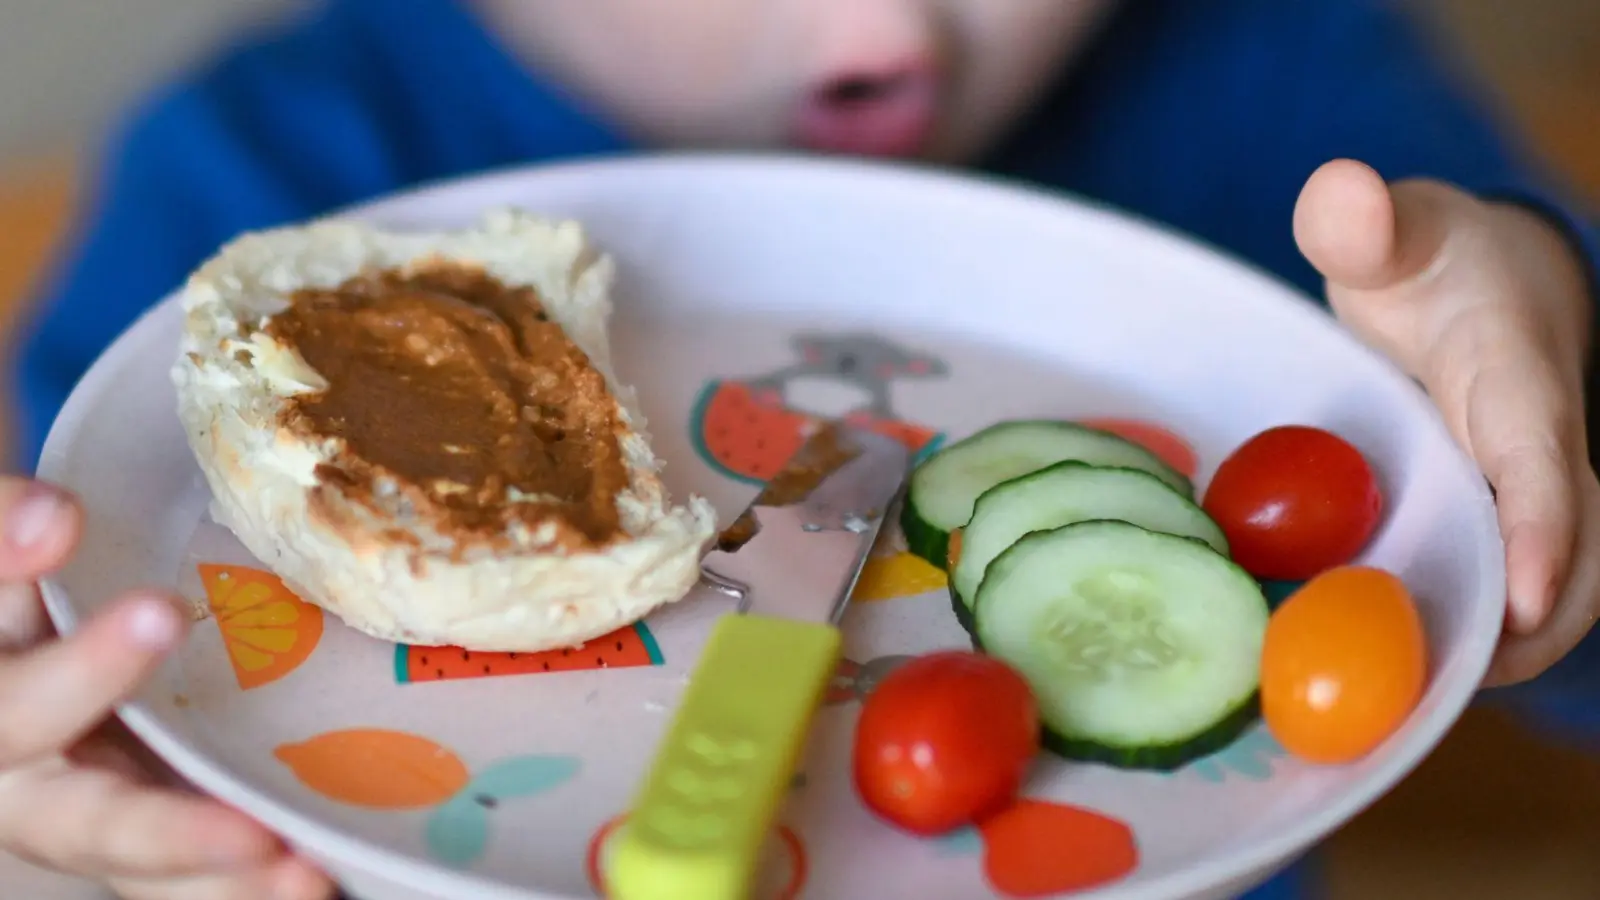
798	549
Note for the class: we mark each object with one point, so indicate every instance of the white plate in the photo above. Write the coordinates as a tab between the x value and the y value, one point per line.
958	303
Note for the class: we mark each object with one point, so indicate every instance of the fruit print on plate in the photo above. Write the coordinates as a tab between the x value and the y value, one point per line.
1168	446
267	630
747	428
1021	849
630	645
381	769
891	571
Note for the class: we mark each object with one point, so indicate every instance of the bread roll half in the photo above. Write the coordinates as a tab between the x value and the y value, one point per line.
385	555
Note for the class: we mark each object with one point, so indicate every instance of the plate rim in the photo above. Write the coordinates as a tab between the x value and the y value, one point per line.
330	842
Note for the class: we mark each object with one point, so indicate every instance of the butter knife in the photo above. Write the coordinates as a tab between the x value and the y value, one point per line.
704	811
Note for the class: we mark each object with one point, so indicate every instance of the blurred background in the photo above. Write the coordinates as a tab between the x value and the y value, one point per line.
1496	813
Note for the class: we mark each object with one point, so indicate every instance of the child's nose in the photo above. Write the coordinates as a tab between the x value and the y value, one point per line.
876	85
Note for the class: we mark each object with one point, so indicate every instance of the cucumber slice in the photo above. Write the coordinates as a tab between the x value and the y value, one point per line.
944	488
1063	494
1143	649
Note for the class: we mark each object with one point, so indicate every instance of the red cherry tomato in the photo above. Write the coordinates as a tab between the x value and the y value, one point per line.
1294	501
1344	662
944	741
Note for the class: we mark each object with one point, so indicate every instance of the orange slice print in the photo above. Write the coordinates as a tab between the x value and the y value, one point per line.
376	768
268	631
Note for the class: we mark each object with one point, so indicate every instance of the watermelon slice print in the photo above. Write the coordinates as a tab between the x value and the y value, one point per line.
742	435
748	428
630	646
747	434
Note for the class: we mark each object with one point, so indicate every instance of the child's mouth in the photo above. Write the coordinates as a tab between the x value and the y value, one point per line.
890	116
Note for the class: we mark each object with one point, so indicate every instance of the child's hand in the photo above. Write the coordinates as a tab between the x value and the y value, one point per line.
76	793
1486	305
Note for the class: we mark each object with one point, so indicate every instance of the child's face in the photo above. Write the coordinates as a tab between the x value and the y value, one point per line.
930	78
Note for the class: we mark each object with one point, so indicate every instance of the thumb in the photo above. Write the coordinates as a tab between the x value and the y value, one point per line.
1389	254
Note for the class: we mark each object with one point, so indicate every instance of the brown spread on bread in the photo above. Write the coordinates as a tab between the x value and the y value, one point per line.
462	392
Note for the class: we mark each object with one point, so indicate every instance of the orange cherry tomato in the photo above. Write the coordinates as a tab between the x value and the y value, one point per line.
952	555
945	740
1344	662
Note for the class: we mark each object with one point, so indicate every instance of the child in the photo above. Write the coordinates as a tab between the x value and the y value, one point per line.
1235	120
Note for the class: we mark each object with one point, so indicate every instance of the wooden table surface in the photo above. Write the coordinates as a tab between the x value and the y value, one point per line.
1497	812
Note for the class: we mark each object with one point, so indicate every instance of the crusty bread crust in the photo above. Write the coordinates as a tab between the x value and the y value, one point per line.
232	381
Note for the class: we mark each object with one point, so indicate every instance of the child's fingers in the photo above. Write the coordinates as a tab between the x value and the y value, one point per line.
53	694
1522	657
1503	397
100	824
287	879
113	748
39	527
23	622
1519	418
1498	387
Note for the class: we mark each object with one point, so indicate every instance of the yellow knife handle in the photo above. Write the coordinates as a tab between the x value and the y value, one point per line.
703	815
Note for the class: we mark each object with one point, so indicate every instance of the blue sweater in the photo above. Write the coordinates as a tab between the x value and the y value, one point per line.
1207	115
